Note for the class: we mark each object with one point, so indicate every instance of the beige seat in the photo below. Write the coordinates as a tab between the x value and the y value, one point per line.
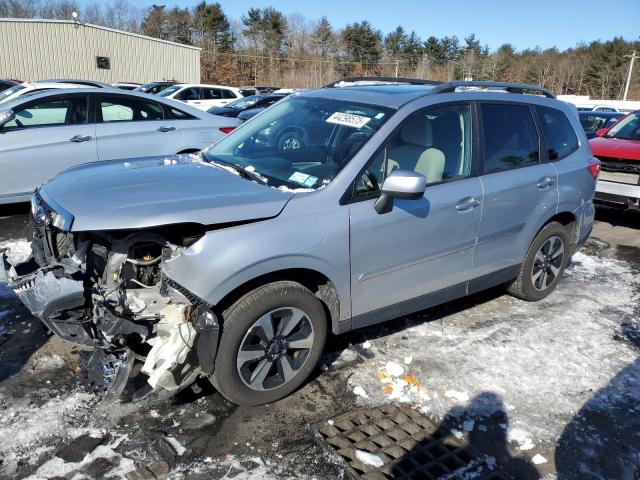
416	152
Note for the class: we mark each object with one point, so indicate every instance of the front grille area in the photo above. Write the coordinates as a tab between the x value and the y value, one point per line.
612	164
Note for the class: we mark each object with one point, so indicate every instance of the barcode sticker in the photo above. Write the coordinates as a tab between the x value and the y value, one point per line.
348	119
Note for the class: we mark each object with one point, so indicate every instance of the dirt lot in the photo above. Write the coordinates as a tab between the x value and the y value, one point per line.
546	390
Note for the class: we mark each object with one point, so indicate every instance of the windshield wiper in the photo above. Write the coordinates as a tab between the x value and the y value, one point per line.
241	170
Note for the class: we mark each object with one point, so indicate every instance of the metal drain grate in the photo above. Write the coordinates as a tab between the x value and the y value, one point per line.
411	447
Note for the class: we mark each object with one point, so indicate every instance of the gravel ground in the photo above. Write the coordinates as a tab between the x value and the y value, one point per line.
550	390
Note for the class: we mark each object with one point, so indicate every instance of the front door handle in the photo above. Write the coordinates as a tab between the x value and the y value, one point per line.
166	129
467	203
80	138
545	182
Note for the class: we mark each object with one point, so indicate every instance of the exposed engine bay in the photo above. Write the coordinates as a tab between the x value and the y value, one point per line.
107	290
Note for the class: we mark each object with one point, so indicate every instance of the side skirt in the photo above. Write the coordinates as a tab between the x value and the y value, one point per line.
432	299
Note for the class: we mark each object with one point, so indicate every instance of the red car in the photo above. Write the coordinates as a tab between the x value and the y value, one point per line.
618	148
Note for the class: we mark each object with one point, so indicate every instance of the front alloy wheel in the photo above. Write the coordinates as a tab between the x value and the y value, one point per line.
272	339
275	348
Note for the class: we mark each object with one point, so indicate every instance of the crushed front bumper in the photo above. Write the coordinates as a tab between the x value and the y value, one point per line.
45	294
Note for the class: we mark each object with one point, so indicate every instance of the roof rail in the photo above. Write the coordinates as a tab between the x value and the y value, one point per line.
450	87
383	80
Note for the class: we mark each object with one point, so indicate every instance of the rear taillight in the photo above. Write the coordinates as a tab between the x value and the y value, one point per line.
594	168
227	129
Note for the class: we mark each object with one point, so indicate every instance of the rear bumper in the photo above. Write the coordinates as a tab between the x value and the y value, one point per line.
624	195
46	294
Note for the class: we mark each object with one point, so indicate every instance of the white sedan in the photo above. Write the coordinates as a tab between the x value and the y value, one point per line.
44	133
202	96
32	88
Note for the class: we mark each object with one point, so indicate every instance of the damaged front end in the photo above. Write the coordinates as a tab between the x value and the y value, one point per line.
107	290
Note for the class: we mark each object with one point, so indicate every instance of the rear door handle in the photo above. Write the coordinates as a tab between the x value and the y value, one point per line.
467	203
80	138
166	129
545	182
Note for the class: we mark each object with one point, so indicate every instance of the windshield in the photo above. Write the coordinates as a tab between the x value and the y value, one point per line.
168	91
243	103
594	121
10	91
300	142
628	128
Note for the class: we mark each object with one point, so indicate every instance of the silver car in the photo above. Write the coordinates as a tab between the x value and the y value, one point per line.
395	196
42	134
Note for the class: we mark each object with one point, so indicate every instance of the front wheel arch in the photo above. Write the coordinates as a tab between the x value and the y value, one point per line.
317	282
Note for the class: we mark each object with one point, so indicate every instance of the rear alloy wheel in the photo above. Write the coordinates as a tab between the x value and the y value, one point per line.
544	264
547	263
272	339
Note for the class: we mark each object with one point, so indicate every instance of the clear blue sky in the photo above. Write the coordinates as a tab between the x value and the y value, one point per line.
525	24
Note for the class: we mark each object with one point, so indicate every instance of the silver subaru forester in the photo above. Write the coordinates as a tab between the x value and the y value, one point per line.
334	209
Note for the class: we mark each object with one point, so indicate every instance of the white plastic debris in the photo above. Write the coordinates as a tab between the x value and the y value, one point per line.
366	345
456	395
330	422
408	360
369	458
538	459
468	425
360	392
394	369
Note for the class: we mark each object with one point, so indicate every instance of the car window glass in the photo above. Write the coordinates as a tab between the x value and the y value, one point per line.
51	111
188	94
179	114
510	137
559	136
227	94
593	121
435	143
128	109
211	94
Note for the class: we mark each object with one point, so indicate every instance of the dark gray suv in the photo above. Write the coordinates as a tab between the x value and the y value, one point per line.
396	195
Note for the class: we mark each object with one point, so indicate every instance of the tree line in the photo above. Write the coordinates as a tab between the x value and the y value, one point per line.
265	46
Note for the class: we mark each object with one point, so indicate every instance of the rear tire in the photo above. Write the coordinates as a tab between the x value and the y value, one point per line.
544	264
272	339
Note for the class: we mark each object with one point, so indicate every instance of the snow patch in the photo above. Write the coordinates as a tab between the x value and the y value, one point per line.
369	458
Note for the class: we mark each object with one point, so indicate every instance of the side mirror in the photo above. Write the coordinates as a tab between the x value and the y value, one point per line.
6	116
402	184
602	132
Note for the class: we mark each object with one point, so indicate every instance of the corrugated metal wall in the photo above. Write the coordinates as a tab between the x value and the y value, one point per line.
35	50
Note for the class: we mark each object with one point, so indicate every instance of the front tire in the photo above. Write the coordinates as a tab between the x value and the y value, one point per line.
272	339
544	264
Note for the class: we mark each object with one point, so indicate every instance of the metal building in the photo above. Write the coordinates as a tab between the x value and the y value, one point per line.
39	49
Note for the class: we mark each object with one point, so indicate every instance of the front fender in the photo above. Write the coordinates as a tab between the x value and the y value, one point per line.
226	259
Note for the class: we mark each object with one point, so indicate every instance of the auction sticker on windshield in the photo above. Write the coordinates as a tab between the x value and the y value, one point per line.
303	179
348	119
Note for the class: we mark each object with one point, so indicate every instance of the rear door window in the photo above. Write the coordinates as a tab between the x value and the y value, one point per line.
114	108
227	94
211	93
187	94
51	111
510	137
559	136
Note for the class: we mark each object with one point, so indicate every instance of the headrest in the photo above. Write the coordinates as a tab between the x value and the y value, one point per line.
418	131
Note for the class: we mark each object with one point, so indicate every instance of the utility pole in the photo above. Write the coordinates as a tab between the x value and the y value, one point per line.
633	56
398	64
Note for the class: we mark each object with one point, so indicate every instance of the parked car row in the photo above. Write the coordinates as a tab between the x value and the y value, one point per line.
332	210
617	147
48	131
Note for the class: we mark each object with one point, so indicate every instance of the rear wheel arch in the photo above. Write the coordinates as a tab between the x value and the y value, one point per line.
566	219
318	283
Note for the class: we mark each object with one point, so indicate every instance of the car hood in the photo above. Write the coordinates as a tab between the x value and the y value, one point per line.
615	147
153	191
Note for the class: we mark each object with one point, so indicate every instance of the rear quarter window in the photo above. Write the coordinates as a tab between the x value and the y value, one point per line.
559	136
